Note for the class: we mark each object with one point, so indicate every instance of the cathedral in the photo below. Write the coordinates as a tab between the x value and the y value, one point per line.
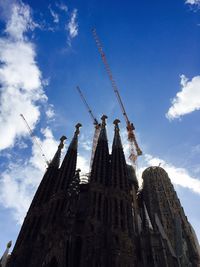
105	220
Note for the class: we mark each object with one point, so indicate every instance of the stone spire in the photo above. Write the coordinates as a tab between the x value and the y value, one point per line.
98	210
5	256
103	134
46	187
117	139
68	167
121	220
99	172
119	177
56	159
74	143
41	198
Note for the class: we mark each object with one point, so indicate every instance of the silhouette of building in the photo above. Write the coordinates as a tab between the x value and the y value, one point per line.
106	221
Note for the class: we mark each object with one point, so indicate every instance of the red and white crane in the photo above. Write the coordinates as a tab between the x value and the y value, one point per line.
135	150
97	126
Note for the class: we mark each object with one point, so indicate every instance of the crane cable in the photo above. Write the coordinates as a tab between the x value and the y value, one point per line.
96	123
87	106
35	139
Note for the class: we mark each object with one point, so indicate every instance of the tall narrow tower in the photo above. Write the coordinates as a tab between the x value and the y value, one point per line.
94	249
107	238
168	217
42	238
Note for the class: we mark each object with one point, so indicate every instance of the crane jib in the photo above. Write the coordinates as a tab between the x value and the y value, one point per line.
130	127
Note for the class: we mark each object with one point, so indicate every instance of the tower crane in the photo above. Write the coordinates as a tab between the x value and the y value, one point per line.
97	125
135	150
34	138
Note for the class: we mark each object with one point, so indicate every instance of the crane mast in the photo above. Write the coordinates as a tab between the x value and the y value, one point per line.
96	125
34	138
129	126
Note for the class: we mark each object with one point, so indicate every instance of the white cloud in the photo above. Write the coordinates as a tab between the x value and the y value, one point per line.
62	6
50	113
187	100
21	179
86	141
72	26
21	82
83	164
54	15
48	145
193	2
17	185
178	176
20	21
21	91
21	144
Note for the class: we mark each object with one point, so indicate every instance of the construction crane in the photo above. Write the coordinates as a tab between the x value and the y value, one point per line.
34	138
135	150
97	125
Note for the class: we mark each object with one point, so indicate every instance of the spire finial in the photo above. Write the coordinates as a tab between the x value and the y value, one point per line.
56	159
9	244
62	139
77	126
116	123
117	139
103	119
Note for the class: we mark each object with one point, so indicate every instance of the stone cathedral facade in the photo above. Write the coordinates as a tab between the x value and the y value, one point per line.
107	221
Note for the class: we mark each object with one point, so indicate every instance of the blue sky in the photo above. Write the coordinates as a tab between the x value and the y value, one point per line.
46	49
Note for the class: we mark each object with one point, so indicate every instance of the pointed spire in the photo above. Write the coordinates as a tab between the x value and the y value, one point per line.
118	163
68	167
4	258
103	135
99	170
74	143
56	159
117	139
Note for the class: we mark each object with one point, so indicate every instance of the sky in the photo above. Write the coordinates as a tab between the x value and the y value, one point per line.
47	49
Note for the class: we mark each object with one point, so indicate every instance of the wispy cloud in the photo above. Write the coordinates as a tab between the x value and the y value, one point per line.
54	15
193	2
62	6
19	182
179	176
72	26
50	113
187	100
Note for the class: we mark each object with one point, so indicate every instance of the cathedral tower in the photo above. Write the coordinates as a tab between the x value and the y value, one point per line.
168	218
106	221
